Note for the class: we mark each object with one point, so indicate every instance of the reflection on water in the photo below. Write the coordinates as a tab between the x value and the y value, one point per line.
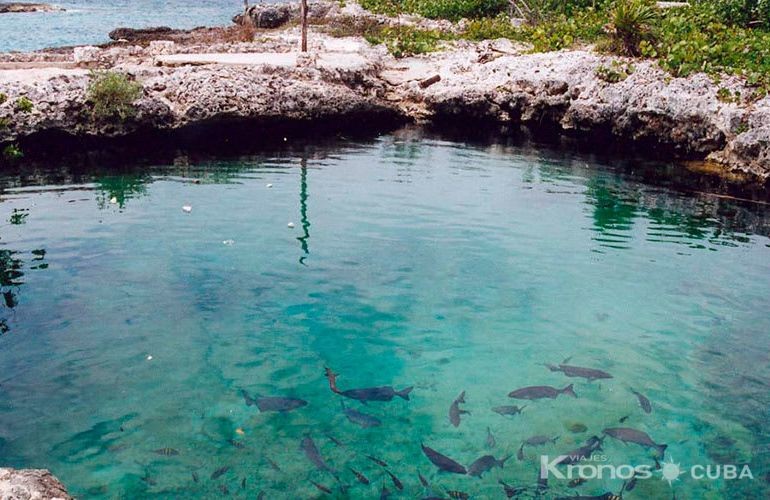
135	327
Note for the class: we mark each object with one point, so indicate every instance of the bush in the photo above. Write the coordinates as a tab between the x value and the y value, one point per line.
112	95
12	152
631	22
453	10
407	41
3	98
615	72
741	12
23	105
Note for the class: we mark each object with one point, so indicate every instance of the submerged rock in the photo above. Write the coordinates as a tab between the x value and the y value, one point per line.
17	7
30	484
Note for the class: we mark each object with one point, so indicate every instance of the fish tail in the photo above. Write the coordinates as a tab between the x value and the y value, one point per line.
520	409
404	393
661	449
520	454
568	390
502	461
552	367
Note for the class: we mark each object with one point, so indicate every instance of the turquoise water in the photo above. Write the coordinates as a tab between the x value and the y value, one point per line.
414	261
89	21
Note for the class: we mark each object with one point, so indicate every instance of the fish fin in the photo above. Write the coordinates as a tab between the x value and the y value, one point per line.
661	449
555	439
502	461
404	393
520	454
566	360
520	409
569	390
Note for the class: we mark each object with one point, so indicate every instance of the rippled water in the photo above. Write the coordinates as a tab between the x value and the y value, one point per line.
131	326
89	21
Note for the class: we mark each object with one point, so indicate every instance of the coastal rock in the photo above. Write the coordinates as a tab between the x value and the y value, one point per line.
18	7
30	484
266	16
132	35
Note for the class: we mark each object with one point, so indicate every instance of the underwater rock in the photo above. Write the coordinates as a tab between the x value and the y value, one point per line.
33	484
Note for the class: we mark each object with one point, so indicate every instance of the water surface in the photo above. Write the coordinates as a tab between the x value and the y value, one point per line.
89	21
131	326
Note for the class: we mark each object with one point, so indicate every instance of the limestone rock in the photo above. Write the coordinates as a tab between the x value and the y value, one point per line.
30	484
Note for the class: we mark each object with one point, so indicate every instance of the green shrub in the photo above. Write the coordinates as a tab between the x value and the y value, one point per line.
4	123
407	41
12	152
439	9
3	98
615	72
112	95
631	22
741	12
23	105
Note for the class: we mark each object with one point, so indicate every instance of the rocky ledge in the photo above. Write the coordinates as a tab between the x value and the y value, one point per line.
16	7
205	80
30	484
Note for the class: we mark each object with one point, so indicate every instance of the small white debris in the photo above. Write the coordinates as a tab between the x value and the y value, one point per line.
290	225
149	358
285	139
229	243
113	200
268	185
187	209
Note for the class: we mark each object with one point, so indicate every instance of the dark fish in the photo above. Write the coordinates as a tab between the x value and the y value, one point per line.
147	479
643	402
540	440
628	435
359	418
361	478
243	483
219	472
490	442
195	477
273	464
511	491
623	419
520	453
398	484
335	441
455	411
593	444
605	496
442	461
630	485
236	443
312	453
321	487
384	493
274	403
540	392
484	464
578	428
376	460
508	410
576	482
384	393
167	452
224	489
423	481
458	494
590	374
261	495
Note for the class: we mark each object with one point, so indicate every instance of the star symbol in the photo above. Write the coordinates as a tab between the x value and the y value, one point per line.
671	471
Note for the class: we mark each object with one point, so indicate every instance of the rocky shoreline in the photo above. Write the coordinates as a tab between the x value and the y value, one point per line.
208	77
19	7
30	484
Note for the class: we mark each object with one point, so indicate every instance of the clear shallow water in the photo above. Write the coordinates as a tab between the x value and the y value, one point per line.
89	21
413	262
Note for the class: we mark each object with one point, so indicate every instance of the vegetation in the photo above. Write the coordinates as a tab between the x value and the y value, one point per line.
712	36
12	152
112	95
615	72
24	105
3	98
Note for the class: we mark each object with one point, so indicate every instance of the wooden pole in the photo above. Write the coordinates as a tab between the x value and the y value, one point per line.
303	16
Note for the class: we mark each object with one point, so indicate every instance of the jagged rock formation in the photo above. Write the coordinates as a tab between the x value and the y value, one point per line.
30	484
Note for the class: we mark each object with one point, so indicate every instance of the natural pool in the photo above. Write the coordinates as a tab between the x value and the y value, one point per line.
131	327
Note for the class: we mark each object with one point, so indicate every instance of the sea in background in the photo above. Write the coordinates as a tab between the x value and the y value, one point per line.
89	21
130	327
